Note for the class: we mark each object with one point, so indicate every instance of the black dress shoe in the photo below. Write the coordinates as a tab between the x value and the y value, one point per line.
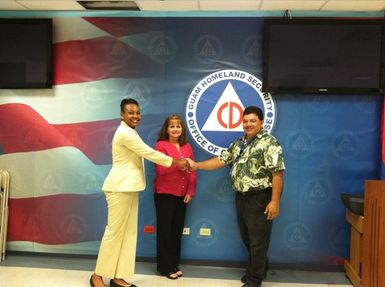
243	279
113	284
258	284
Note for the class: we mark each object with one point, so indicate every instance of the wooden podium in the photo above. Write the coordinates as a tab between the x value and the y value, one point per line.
366	265
353	265
373	248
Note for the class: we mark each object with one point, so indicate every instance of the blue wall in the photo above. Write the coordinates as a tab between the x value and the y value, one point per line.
331	142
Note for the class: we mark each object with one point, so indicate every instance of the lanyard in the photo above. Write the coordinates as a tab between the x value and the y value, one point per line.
244	145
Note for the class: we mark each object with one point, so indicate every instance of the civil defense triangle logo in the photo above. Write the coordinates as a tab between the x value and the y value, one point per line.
215	105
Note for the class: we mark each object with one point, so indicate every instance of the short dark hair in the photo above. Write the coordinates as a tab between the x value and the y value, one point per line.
127	101
163	135
254	110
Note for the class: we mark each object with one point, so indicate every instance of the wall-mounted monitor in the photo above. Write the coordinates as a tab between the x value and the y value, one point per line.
323	56
25	53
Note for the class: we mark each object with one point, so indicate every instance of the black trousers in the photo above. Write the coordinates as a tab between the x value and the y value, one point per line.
170	215
255	231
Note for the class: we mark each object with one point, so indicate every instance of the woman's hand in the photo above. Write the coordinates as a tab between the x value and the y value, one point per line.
187	198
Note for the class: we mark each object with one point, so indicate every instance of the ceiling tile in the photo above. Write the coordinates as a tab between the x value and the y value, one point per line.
208	5
168	5
11	5
354	5
296	5
60	5
238	5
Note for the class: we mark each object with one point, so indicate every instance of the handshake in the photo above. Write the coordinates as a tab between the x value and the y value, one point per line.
187	164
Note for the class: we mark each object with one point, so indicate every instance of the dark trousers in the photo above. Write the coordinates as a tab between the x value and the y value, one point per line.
170	215
255	231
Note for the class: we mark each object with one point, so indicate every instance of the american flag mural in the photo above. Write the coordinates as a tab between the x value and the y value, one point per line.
56	143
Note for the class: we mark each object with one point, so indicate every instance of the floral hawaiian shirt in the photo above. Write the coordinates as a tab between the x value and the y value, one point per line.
252	163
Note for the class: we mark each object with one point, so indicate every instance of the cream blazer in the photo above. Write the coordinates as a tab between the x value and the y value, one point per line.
128	151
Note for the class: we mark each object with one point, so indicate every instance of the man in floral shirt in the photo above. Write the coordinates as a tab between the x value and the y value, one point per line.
257	167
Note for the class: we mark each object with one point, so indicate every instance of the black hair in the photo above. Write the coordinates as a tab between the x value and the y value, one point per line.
127	101
254	110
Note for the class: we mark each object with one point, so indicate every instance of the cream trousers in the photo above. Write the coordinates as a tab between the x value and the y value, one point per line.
116	258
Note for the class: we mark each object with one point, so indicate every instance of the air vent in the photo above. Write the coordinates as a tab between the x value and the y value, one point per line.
110	5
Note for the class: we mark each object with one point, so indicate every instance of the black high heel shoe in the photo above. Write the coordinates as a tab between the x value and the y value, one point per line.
113	284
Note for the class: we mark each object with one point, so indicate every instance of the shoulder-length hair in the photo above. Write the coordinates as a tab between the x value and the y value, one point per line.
163	135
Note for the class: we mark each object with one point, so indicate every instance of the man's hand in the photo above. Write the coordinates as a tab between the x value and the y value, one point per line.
272	210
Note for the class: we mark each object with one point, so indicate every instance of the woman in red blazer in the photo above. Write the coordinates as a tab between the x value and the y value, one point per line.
174	188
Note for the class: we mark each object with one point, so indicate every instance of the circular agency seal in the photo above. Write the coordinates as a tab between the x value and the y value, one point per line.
215	105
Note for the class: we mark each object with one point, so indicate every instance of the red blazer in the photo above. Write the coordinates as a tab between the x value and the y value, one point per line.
173	180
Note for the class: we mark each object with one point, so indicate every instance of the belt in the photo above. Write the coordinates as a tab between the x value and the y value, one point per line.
254	191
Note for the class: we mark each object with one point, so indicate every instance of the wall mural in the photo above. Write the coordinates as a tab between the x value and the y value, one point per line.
57	143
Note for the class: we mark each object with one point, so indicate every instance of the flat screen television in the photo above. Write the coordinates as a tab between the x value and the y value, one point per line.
323	56
25	53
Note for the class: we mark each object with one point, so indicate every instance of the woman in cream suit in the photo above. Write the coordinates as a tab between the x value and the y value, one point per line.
116	258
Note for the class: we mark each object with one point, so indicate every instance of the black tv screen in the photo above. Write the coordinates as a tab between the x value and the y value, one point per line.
323	56
25	53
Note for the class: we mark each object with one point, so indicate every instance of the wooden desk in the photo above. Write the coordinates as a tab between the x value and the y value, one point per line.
373	258
353	265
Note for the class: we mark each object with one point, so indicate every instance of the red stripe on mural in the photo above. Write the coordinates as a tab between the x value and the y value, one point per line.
96	59
57	219
119	27
22	129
